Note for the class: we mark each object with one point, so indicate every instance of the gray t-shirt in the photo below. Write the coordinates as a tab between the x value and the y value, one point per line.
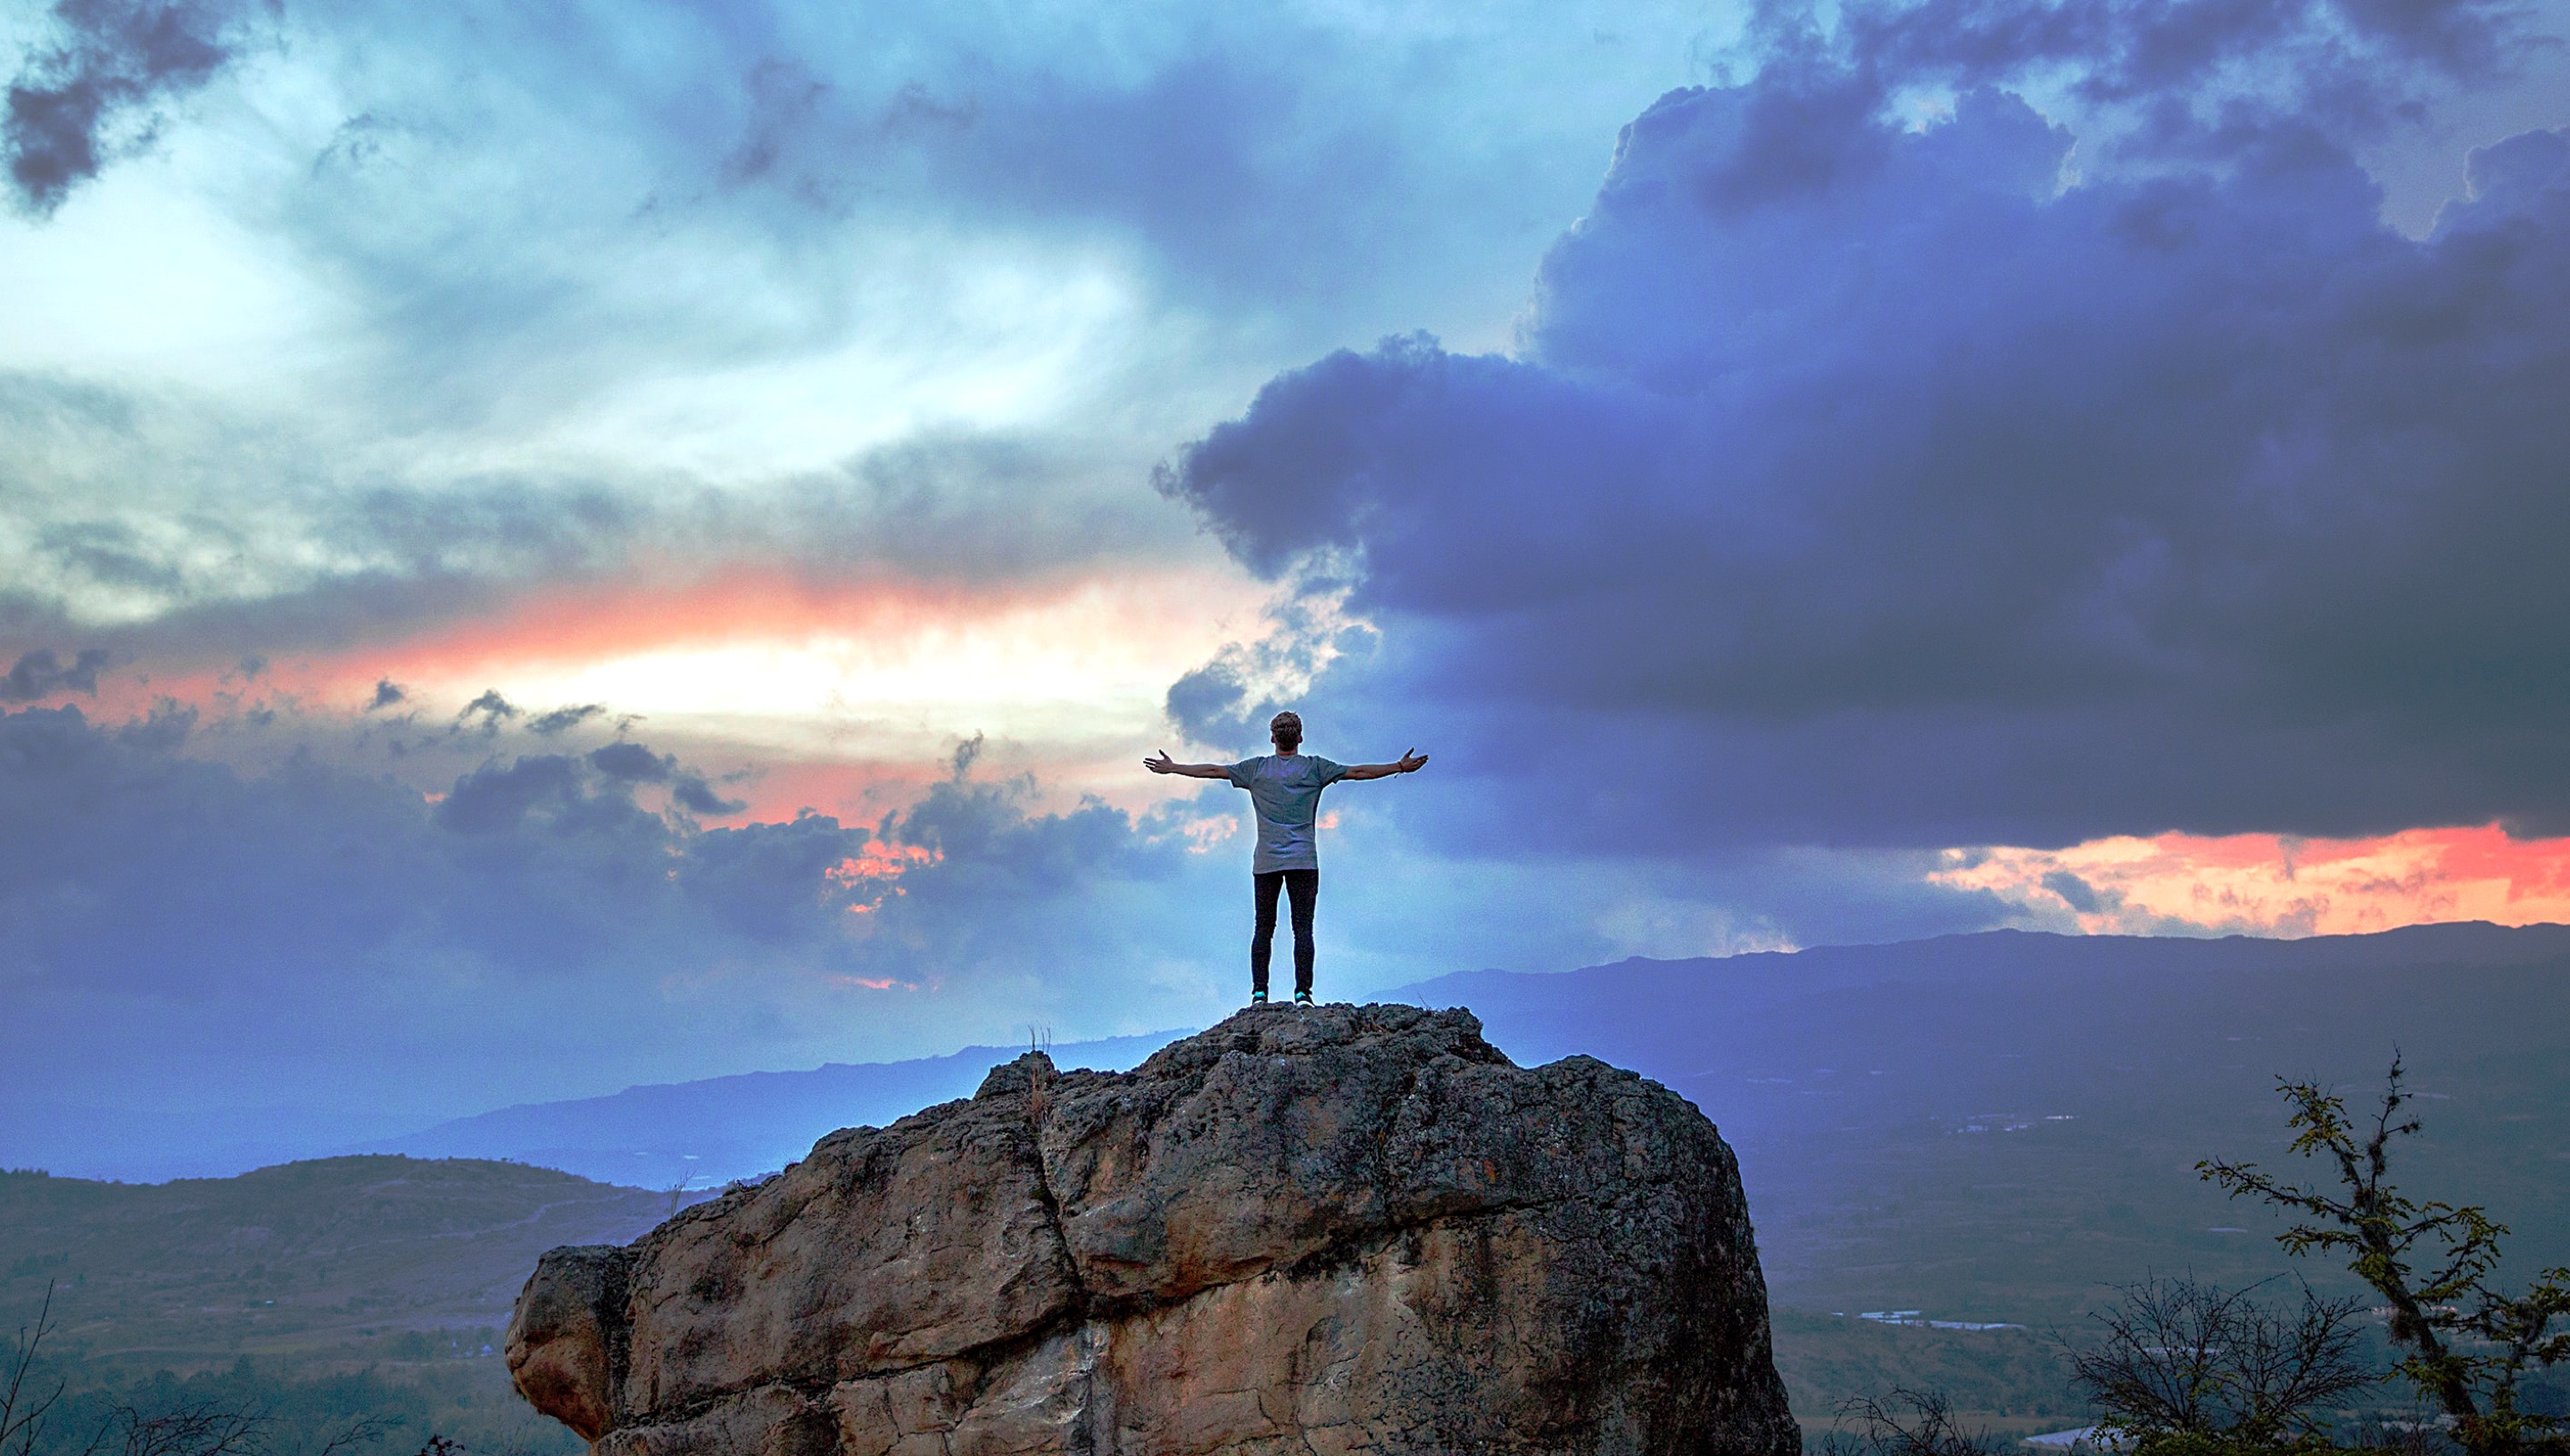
1285	791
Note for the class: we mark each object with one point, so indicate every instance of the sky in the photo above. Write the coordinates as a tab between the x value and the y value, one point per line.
550	547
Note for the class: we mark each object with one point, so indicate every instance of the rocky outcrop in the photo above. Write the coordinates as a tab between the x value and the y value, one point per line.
1336	1230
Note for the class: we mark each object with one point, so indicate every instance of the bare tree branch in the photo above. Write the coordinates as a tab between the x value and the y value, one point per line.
2179	1357
1906	1423
23	1413
364	1430
198	1428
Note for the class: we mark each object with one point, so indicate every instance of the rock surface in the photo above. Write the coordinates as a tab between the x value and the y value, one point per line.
1349	1229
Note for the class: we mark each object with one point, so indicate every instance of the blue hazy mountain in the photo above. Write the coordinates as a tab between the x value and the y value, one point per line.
708	1133
1959	1010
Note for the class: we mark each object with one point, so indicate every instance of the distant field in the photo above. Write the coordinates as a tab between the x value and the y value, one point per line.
2010	1381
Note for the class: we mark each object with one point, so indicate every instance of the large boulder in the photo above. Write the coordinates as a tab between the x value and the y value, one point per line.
1336	1230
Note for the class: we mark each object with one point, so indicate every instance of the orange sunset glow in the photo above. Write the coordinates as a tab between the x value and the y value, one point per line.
747	643
2271	884
869	875
840	697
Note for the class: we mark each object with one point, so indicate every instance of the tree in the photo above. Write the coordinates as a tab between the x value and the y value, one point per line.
2468	1345
1906	1423
2207	1364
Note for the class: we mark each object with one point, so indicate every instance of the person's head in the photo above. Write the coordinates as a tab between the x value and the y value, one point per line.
1286	731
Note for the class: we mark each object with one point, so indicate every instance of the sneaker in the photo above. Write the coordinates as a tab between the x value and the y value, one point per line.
1302	998
1258	999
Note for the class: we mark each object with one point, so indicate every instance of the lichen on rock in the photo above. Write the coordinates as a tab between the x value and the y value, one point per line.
1347	1228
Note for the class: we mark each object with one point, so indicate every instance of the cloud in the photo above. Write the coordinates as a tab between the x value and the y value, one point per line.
694	795
1233	161
272	539
492	708
2074	892
1866	482
388	693
1308	630
765	230
154	517
493	799
93	92
174	931
2263	885
2339	63
41	674
632	762
563	720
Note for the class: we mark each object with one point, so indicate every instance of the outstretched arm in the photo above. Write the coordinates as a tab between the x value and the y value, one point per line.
1160	764
1409	762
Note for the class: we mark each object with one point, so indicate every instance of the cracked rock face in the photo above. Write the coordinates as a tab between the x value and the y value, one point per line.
1348	1229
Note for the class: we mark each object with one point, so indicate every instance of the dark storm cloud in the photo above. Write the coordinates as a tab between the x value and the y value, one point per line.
167	876
41	674
387	695
1858	483
114	62
261	939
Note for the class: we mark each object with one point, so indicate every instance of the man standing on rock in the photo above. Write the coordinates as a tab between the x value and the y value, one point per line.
1285	788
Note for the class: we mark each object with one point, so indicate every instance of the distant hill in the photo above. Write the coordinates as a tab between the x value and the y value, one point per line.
708	1133
366	1258
1988	1127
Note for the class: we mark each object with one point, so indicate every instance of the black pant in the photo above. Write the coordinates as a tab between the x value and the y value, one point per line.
1302	888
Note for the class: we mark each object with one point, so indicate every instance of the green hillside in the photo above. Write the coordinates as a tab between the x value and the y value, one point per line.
331	1264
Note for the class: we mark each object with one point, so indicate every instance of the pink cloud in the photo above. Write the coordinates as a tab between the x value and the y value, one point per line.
867	876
